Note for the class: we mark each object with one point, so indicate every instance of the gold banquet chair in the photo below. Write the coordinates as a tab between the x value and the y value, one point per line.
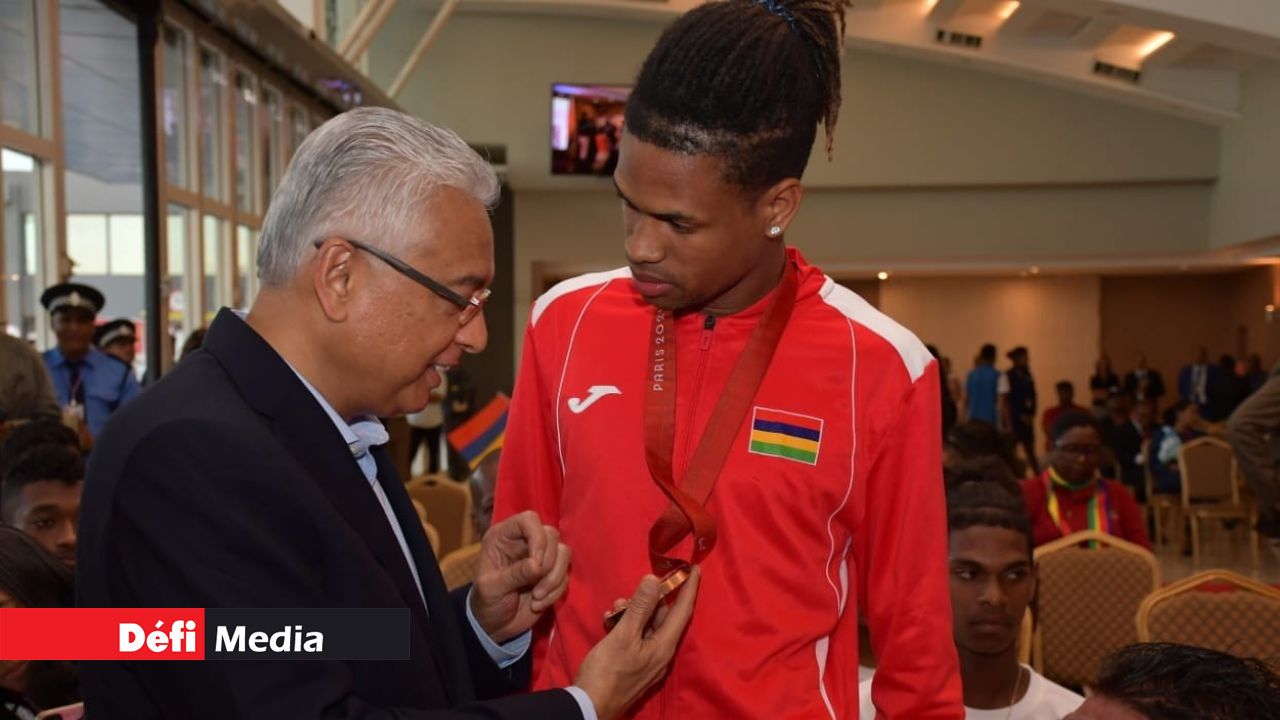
448	505
459	567
433	535
1086	603
1244	621
1024	637
1211	490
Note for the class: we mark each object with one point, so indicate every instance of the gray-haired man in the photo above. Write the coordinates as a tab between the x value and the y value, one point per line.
253	477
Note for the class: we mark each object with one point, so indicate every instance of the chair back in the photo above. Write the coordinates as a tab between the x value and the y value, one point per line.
1024	637
1242	618
459	566
1208	472
1086	602
448	505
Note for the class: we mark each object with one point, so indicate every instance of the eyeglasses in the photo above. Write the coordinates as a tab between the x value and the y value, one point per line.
1080	450
468	308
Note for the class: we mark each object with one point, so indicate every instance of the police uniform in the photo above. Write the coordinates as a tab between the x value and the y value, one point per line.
98	383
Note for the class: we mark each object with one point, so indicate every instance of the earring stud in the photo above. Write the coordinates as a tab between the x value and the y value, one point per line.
775	231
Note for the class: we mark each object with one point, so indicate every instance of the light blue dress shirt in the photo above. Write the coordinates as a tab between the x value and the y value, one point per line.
108	384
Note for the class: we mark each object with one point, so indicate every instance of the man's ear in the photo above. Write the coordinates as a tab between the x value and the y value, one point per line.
779	204
332	279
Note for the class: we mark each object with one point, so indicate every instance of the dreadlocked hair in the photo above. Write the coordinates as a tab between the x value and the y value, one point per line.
983	493
744	81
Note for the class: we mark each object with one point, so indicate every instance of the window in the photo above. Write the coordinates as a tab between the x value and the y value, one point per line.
21	214
173	99
214	268
272	151
128	246
212	125
19	70
178	224
246	247
246	102
300	128
87	244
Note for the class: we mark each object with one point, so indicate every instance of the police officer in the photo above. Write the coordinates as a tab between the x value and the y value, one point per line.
89	384
118	338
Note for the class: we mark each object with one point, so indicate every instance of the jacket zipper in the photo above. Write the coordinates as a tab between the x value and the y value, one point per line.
667	696
708	328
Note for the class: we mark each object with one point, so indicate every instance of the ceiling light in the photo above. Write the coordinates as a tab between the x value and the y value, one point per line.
1155	42
883	275
1007	9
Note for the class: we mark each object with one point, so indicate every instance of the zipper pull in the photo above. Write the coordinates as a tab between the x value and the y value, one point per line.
707	328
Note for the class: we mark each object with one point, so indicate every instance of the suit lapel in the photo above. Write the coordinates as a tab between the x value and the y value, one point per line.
318	446
270	386
448	642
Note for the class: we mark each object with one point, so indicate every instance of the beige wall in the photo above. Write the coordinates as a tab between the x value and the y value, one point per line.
1247	299
582	230
1067	321
1055	318
1169	316
1246	203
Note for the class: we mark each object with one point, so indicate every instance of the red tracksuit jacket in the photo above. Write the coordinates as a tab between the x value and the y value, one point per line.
804	543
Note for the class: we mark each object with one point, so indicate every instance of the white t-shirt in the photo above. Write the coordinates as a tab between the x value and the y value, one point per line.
1044	700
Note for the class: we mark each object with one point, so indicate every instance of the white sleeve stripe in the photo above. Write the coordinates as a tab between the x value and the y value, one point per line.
577	283
564	372
841	596
915	356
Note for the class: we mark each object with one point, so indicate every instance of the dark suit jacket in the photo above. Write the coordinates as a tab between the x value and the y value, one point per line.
1185	389
1155	384
227	485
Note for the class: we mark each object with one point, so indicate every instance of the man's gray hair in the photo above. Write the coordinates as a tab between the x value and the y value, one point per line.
365	175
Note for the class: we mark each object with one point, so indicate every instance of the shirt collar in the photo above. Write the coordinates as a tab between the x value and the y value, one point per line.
59	360
365	433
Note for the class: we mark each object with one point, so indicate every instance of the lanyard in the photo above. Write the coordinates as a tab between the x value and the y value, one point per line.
687	512
1098	517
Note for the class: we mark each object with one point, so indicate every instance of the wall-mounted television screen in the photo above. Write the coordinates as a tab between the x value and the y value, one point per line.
586	127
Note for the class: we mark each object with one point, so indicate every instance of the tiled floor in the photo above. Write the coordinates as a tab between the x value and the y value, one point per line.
1222	549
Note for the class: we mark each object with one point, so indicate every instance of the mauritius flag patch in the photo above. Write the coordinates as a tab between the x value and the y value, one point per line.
786	435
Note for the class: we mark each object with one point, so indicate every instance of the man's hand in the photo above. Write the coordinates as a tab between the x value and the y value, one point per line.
524	570
634	655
